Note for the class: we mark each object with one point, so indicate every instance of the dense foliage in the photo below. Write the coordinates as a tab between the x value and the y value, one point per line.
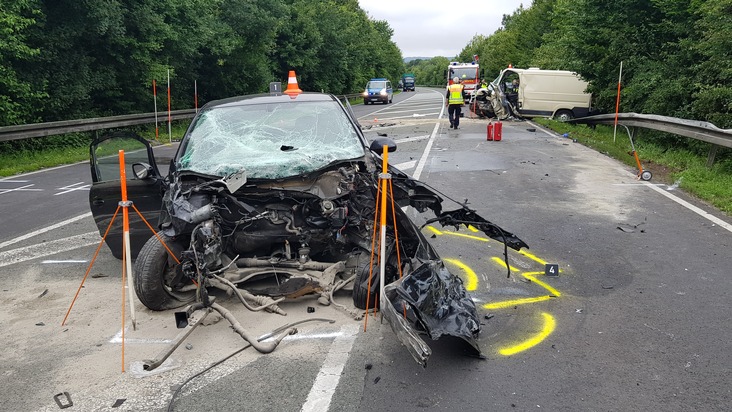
676	54
66	59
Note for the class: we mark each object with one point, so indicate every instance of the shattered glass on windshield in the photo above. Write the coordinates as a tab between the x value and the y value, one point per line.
270	141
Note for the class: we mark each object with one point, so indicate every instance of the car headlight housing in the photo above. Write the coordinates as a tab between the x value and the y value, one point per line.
365	93
383	92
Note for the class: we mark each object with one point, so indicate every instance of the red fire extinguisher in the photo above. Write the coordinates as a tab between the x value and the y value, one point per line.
497	132
489	135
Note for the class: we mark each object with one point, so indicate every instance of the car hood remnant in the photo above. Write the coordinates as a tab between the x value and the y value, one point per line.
272	198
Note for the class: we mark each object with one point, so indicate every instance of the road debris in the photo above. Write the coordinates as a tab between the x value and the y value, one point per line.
40	324
119	402
628	228
43	294
63	404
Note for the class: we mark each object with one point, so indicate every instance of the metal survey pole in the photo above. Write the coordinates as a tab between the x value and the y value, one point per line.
125	204
384	179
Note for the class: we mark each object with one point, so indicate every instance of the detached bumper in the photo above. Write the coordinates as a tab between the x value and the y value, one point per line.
431	301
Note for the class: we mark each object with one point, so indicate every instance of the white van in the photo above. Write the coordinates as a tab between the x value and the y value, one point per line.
545	93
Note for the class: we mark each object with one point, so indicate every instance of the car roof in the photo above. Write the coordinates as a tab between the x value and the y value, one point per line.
256	99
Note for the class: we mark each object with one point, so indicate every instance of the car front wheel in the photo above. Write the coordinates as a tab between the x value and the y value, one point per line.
158	284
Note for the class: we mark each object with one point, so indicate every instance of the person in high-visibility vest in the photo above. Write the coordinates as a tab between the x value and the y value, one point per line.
455	102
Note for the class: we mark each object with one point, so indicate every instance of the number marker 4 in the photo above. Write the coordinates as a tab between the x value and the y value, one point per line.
551	269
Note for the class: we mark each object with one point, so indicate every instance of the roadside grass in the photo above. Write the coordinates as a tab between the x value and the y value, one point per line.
24	160
671	165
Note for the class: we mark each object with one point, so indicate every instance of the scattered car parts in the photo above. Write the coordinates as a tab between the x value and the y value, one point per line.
272	198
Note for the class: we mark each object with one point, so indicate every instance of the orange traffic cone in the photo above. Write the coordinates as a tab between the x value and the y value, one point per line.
292	88
376	120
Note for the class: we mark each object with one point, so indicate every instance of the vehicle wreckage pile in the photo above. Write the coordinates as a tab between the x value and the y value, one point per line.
300	221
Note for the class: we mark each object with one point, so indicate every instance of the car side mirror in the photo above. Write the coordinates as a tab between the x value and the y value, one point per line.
377	146
142	171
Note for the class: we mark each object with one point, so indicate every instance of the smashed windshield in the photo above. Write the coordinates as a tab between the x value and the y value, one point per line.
270	141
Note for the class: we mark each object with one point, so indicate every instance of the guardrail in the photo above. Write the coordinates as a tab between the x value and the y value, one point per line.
694	129
26	131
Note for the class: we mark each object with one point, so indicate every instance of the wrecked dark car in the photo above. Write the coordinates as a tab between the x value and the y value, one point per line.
273	197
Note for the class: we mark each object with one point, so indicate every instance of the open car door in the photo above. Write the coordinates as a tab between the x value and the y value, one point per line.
144	188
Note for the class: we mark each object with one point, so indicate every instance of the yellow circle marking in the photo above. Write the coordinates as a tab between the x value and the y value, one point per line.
472	279
547	329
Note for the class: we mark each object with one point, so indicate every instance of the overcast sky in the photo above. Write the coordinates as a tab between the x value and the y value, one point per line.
429	28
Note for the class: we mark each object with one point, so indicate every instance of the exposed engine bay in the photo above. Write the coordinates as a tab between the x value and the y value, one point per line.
274	240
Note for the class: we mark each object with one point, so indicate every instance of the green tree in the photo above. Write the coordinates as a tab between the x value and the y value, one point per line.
713	100
20	94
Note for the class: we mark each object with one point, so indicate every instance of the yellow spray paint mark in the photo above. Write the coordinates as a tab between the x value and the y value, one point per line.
547	329
501	263
532	257
472	284
434	230
508	303
472	279
542	284
482	239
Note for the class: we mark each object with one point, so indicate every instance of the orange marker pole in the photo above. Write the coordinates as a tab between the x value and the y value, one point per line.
155	99
126	234
383	183
617	102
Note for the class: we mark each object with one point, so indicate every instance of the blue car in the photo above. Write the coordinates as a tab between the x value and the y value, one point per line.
378	90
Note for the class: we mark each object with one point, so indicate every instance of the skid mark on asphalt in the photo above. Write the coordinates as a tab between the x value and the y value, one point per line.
548	323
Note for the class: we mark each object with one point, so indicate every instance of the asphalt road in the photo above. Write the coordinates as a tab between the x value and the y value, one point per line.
637	318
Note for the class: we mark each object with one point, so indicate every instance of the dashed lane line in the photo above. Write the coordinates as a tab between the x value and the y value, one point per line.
329	375
20	189
426	153
44	230
52	247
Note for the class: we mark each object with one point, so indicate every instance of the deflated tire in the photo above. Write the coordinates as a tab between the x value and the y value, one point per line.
155	280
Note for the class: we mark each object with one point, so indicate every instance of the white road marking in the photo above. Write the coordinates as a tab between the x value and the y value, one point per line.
329	375
14	181
118	339
411	110
44	170
64	261
691	207
639	184
388	107
44	230
21	189
52	247
406	165
407	117
425	154
413	139
680	201
552	134
73	187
